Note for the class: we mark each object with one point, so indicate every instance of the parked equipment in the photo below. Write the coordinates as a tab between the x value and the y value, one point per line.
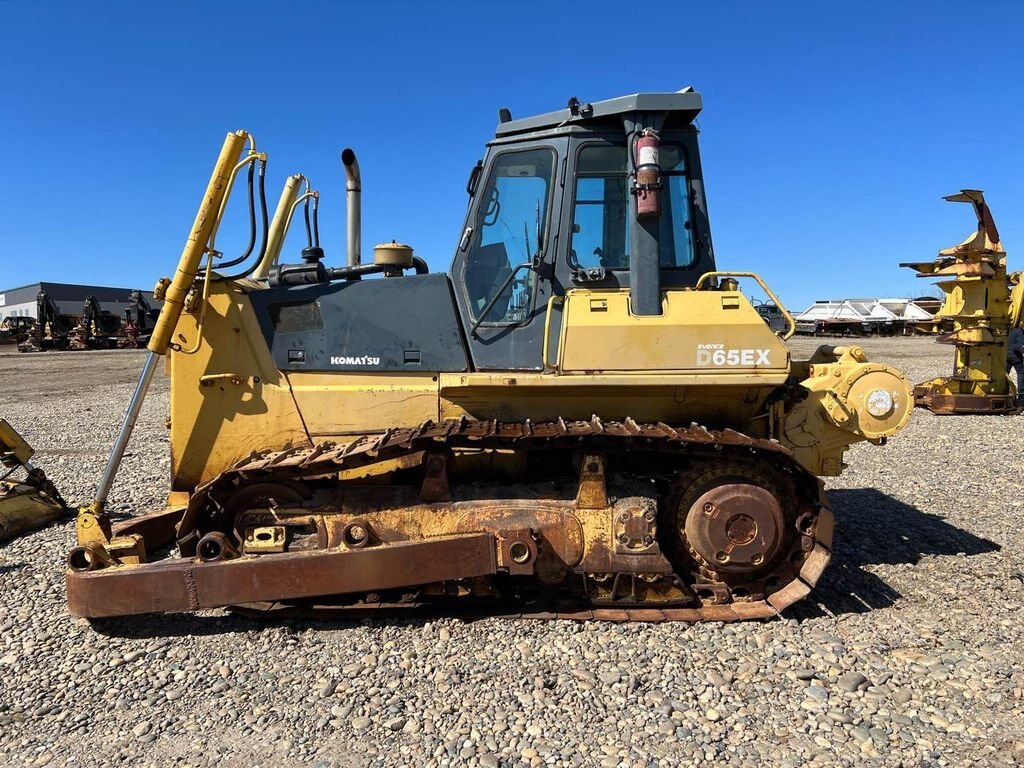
585	417
51	330
29	502
772	314
96	328
982	303
867	317
137	322
16	329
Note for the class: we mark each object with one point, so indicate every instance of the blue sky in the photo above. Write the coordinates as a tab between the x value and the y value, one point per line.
829	133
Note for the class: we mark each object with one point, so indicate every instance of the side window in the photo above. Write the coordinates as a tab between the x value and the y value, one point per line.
600	231
601	226
510	222
677	227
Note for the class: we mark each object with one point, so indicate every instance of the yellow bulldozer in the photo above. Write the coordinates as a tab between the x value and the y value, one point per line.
583	418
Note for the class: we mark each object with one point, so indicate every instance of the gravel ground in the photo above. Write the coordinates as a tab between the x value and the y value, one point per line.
910	652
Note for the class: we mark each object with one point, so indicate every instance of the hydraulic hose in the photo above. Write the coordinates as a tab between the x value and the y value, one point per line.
265	224
252	222
309	229
316	222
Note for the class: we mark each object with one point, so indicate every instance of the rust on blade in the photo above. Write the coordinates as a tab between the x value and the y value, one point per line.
186	585
743	611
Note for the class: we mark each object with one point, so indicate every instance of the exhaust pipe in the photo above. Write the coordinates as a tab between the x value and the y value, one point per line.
353	205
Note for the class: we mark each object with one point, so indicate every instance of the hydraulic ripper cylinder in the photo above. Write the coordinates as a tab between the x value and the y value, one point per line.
195	246
279	225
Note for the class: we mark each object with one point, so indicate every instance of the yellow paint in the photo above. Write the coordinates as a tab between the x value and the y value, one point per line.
214	426
23	508
982	303
707	277
676	399
345	403
840	380
715	333
279	225
228	399
13	447
701	360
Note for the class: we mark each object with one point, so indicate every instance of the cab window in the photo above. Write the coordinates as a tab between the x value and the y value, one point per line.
509	227
677	223
600	229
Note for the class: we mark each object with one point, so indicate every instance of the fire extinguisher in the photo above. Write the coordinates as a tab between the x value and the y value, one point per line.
648	175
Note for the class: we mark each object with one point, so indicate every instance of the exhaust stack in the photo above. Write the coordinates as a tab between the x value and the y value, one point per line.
353	206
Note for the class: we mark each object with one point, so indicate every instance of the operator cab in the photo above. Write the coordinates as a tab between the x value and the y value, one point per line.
606	196
553	206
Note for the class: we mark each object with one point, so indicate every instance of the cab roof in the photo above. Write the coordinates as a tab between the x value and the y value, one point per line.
683	107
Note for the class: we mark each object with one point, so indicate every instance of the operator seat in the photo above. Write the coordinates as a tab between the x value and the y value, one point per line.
487	269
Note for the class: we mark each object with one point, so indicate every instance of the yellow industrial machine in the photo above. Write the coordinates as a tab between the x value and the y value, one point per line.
28	500
136	322
51	328
982	303
15	330
583	418
96	328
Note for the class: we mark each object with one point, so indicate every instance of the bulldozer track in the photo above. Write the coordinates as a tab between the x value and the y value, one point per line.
324	459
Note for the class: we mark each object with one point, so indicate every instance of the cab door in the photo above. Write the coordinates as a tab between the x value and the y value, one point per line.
502	263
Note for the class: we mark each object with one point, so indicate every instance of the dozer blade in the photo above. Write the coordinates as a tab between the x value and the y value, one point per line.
25	508
186	585
27	504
